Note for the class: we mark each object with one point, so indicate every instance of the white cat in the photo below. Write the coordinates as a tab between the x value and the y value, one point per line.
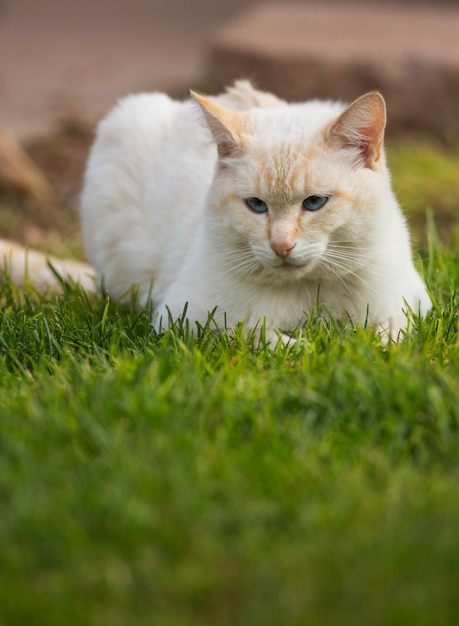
257	207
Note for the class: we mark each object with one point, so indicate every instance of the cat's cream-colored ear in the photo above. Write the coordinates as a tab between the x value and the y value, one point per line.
361	126
226	126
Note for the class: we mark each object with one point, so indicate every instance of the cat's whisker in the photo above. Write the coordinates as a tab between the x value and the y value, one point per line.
332	263
358	255
240	268
360	251
343	249
236	255
230	258
240	264
351	259
340	278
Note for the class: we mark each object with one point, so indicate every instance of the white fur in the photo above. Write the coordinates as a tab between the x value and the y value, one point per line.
159	212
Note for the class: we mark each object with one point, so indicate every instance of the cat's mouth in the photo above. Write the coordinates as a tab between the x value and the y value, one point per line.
287	265
294	270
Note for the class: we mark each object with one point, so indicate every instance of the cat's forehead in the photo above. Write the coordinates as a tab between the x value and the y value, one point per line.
287	153
295	123
288	171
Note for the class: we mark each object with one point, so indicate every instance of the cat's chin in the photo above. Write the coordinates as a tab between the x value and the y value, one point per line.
285	273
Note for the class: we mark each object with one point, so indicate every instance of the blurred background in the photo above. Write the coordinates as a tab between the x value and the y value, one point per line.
61	58
63	64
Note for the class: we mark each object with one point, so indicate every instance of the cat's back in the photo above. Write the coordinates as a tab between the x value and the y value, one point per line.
140	131
145	184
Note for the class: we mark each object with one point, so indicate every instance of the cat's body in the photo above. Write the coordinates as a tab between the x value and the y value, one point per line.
253	208
162	210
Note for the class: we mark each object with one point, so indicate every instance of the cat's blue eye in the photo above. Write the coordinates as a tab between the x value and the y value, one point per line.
256	205
314	203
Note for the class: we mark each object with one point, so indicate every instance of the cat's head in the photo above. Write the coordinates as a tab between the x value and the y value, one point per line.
299	190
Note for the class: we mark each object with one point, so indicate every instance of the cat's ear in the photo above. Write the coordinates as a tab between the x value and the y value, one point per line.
361	126
226	127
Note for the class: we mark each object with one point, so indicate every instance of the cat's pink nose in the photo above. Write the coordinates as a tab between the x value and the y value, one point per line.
282	248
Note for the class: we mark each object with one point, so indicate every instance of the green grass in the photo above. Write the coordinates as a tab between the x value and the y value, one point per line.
187	481
427	178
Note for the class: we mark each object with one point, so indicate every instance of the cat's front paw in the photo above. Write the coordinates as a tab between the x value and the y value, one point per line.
287	340
396	328
162	319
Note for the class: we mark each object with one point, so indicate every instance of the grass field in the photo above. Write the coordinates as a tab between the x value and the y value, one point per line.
187	481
